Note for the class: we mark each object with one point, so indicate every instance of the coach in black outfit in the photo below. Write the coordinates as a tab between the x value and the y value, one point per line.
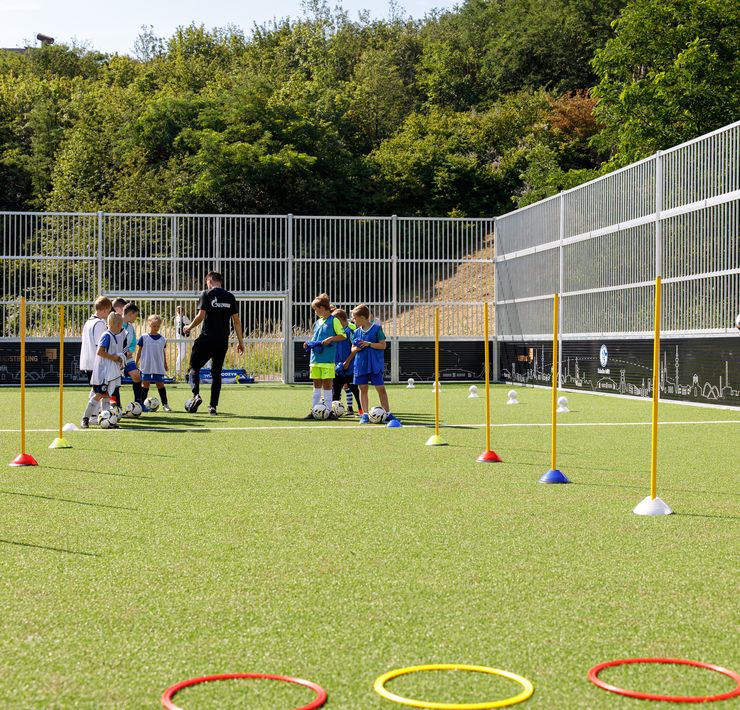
216	310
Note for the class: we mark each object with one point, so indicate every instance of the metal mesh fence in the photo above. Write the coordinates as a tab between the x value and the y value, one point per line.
401	267
601	245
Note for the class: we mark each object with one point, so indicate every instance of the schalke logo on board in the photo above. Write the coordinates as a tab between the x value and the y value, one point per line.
603	359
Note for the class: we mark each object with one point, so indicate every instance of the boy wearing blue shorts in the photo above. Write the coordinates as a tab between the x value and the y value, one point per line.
368	344
151	360
326	332
106	372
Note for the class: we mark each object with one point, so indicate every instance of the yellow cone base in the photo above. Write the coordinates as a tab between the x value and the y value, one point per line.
60	443
436	440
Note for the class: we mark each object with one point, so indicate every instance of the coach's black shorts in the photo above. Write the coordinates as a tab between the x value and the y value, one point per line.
205	350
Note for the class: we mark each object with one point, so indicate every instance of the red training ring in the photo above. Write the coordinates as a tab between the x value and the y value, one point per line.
316	703
593	676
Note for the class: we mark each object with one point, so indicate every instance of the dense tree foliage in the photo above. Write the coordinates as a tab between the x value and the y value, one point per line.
468	112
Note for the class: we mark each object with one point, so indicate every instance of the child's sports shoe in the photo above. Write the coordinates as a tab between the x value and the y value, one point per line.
350	412
166	408
85	423
364	419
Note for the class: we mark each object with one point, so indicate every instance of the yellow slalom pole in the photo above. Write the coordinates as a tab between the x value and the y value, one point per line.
23	459
487	376
554	379
60	442
436	440
652	505
656	395
554	475
487	456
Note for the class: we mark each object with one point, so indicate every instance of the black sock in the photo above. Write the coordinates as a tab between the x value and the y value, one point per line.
117	395
137	392
163	394
144	393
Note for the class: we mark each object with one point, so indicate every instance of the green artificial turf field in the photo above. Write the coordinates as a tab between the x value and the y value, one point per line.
183	545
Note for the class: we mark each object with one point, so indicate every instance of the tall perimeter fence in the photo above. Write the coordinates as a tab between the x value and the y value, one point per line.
601	246
275	265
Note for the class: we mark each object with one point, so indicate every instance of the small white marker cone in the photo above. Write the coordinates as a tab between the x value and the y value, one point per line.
652	506
410	385
473	392
70	427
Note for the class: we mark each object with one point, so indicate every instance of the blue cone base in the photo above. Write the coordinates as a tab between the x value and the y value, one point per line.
554	475
394	424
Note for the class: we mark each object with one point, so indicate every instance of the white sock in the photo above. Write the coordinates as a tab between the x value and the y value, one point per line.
92	407
327	397
349	399
316	396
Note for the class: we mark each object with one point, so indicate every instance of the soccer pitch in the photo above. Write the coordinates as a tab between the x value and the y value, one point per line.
185	545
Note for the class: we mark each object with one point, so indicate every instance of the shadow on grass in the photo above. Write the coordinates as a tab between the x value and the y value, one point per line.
98	473
52	549
148	453
705	515
68	500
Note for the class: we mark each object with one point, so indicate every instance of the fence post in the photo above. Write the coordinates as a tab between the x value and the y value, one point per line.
173	253
288	368
394	296
217	245
100	253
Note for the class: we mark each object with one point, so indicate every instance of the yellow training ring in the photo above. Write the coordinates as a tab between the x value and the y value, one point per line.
379	687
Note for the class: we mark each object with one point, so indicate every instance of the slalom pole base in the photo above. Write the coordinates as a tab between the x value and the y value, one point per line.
60	443
24	460
489	457
652	506
554	475
435	440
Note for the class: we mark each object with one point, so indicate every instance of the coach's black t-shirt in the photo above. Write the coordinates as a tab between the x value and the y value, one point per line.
219	306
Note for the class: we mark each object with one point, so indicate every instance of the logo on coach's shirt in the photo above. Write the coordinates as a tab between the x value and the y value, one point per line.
216	304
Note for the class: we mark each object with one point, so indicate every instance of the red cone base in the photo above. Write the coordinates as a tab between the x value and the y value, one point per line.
24	460
489	457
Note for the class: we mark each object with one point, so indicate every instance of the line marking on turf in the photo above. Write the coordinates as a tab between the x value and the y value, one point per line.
370	427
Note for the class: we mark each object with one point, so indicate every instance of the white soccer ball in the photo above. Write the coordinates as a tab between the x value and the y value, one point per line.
152	403
133	409
410	385
338	408
106	420
320	411
377	415
512	397
473	392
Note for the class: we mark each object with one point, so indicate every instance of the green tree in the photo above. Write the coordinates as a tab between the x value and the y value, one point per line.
670	74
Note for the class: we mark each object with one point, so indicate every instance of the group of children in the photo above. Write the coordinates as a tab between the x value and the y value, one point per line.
346	355
110	351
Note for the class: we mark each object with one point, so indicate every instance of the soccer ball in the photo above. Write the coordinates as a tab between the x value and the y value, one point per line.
152	403
320	411
133	409
107	419
377	415
338	408
115	409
